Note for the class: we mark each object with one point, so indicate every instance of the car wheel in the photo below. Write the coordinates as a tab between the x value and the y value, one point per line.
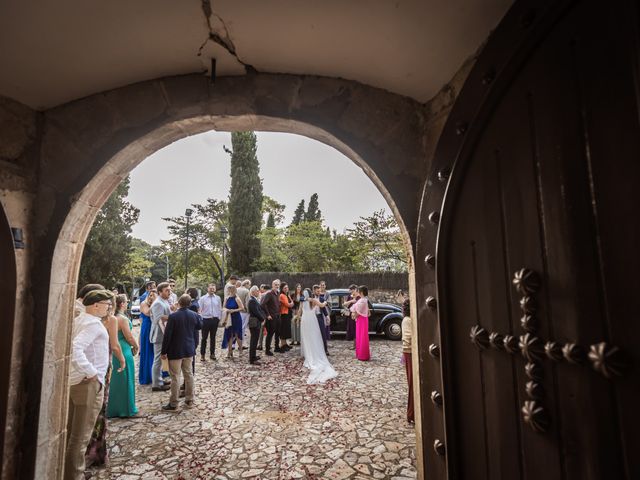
393	330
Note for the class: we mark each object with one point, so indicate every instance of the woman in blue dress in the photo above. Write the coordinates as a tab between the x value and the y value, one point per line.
146	347
232	322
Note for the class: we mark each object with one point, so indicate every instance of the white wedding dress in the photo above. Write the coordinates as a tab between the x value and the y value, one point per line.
312	347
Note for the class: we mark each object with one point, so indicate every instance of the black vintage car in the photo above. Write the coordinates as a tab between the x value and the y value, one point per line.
383	317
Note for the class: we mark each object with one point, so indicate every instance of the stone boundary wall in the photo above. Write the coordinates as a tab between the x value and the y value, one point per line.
383	286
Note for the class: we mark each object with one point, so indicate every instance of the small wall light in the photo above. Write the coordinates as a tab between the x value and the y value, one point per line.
18	239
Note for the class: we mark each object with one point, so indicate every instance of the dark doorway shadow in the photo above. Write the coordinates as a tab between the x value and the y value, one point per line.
8	288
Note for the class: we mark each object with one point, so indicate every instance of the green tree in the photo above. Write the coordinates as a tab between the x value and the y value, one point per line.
307	247
298	215
245	203
380	242
313	213
140	262
271	221
108	245
162	267
346	254
273	256
272	207
138	266
205	242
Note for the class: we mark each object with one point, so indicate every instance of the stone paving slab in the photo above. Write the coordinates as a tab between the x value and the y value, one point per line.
265	422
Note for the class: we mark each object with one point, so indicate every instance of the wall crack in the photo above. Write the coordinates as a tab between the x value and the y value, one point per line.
223	39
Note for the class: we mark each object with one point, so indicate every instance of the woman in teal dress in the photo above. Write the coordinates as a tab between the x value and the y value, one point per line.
122	395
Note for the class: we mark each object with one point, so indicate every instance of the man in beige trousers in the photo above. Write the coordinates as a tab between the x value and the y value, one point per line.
179	348
89	363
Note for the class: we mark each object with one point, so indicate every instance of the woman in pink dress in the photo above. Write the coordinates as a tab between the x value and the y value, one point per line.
360	310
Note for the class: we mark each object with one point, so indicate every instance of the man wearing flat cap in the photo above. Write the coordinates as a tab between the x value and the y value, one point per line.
89	363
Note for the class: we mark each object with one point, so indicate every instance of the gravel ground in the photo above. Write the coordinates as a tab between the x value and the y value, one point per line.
265	422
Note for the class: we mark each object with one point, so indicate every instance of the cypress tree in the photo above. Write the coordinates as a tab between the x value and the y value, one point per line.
313	213
271	221
245	202
298	215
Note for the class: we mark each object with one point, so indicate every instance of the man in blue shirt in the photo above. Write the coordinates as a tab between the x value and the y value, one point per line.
211	311
179	348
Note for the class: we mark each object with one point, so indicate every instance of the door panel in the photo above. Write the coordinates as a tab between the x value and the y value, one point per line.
544	148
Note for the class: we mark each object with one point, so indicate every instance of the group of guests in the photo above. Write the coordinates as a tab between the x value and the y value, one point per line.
102	371
102	374
253	317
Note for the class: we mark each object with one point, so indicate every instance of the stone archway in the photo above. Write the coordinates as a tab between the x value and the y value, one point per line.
90	145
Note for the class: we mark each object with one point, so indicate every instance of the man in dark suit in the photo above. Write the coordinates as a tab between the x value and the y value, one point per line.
179	347
256	317
271	304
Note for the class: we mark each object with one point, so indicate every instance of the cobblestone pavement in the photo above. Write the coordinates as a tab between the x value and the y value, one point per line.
265	422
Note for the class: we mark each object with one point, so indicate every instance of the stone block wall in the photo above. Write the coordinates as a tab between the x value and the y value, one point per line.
383	286
20	131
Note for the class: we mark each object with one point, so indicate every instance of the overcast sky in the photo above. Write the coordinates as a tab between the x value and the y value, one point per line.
292	167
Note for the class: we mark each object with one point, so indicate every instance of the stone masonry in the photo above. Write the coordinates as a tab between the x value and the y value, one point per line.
265	422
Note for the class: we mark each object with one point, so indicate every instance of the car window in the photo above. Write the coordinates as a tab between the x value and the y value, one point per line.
335	300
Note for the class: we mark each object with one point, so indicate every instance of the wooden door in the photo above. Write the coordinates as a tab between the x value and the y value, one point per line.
531	343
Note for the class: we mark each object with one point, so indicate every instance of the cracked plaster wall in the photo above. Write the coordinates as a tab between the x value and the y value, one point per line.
59	166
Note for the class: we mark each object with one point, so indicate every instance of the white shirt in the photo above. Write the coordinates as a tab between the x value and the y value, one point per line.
90	349
406	334
173	298
210	306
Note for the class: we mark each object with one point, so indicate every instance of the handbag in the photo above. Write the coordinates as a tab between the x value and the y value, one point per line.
225	317
297	315
165	364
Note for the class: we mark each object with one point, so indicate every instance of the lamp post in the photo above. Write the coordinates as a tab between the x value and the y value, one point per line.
223	234
188	212
166	259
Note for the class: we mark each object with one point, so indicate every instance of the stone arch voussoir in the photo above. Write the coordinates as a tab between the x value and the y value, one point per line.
90	145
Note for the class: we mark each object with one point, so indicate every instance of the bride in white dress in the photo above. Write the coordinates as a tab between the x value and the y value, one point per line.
312	347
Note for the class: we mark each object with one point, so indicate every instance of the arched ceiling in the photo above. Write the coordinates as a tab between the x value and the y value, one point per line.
54	51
